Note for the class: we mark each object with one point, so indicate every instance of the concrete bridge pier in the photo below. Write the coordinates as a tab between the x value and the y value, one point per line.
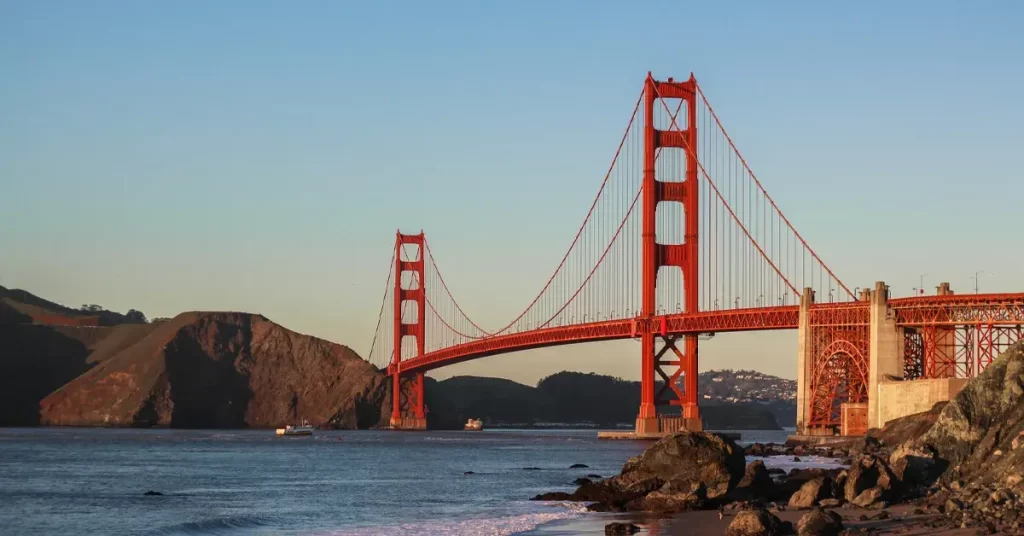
885	354
804	362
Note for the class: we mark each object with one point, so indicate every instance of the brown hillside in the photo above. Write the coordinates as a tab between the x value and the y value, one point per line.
221	370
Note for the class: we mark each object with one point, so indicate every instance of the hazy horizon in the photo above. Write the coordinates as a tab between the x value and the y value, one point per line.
253	157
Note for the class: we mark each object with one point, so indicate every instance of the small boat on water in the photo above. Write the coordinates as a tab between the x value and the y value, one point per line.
474	425
305	429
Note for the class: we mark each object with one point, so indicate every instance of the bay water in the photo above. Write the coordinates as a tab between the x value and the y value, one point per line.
250	482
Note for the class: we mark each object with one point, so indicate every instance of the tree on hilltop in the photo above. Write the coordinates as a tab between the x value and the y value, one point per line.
135	316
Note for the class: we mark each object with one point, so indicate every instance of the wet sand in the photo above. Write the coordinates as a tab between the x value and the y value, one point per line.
706	522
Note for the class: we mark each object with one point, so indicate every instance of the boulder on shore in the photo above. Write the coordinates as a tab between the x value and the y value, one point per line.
755	484
813	491
819	522
871	480
755	522
682	471
684	460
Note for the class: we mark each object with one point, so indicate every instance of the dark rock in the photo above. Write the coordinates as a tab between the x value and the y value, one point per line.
598	477
620	528
797	478
868	445
811	492
884	514
868	497
685	459
754	522
819	522
531	468
914	465
756	483
796	458
870	472
672	499
776	471
152	493
554	496
582	481
469	473
756	449
579	466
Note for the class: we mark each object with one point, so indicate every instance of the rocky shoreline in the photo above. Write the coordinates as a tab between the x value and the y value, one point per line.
956	468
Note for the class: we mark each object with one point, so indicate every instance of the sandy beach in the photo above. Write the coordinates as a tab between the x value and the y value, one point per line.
902	521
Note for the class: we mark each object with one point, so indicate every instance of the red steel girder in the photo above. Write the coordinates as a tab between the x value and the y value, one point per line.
840	314
959	310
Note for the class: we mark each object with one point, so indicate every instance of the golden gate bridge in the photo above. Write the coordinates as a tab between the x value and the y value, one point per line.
682	240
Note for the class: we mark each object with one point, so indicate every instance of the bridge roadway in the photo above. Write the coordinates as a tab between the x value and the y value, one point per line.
948	310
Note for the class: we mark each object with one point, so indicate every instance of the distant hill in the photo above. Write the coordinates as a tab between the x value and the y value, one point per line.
21	306
751	388
572	398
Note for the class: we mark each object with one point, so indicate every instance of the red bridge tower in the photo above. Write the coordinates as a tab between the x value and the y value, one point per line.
656	255
409	289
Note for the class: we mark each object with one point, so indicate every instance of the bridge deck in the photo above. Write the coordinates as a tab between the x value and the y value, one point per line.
967	309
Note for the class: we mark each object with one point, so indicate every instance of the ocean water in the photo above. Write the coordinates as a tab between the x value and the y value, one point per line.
247	482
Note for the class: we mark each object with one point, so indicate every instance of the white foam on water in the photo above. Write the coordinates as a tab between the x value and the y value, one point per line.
787	464
493	526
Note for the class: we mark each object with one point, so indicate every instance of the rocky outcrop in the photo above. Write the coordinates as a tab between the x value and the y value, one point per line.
685	459
682	471
974	436
222	370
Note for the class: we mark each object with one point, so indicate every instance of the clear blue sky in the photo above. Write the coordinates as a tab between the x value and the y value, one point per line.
259	156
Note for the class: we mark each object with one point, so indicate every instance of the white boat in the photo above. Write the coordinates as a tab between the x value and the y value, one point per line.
474	425
305	429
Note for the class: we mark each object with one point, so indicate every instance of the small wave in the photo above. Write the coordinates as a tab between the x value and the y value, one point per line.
494	526
215	525
806	462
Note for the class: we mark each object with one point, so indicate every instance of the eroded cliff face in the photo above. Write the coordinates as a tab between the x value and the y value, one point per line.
222	370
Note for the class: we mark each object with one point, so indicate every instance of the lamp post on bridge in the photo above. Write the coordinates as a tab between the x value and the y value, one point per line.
830	291
759	298
975	278
921	287
737	302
